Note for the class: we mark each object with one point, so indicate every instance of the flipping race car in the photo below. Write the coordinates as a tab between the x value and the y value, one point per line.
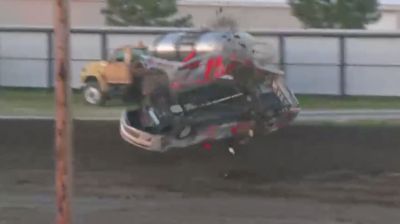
201	87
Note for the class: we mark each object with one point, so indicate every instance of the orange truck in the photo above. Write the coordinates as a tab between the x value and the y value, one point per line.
103	80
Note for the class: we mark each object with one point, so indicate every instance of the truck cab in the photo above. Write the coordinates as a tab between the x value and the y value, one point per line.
103	80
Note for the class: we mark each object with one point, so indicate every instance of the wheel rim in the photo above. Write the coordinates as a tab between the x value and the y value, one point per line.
92	95
185	132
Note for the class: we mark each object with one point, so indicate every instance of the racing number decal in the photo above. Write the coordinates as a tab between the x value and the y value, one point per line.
215	68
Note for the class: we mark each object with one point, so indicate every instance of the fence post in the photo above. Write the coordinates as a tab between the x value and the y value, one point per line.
342	65
282	50
50	78
104	44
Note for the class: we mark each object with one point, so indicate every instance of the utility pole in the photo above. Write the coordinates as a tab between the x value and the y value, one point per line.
63	127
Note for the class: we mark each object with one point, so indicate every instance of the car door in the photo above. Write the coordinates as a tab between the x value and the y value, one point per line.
117	71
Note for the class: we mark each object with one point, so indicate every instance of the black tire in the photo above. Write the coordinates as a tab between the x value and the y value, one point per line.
153	80
92	94
133	91
132	95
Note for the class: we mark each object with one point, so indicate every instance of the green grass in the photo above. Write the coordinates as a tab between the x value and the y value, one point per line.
367	123
348	102
21	102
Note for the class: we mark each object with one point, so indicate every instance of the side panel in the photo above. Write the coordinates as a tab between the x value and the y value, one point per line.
117	73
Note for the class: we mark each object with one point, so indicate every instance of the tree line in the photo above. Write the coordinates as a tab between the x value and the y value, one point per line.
334	14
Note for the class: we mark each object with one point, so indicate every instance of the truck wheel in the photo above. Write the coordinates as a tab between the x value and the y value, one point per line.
92	93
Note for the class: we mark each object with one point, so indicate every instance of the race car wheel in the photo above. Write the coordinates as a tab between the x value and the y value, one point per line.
92	93
153	81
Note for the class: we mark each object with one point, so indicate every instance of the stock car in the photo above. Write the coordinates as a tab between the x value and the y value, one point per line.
222	94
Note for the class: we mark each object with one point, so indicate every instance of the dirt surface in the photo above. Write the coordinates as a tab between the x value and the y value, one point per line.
302	174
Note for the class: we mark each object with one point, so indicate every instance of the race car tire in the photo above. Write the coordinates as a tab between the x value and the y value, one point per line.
153	80
132	94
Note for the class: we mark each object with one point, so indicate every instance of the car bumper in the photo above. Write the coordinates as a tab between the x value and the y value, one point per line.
138	137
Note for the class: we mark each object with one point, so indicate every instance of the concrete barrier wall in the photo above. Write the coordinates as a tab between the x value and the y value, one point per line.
329	62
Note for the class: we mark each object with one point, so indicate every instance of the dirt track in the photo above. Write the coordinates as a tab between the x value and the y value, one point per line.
303	174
